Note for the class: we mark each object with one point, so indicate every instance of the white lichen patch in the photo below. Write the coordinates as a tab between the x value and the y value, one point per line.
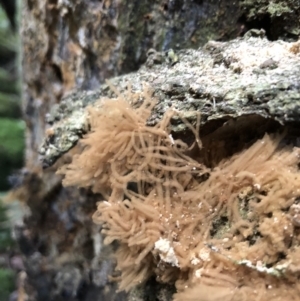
204	254
195	260
277	270
245	53
198	273
82	37
166	251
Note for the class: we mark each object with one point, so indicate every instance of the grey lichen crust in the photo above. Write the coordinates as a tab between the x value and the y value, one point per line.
243	77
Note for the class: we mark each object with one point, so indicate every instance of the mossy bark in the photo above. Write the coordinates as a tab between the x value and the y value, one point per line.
225	81
279	17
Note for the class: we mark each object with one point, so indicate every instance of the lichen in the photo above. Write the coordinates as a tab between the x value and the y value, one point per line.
222	81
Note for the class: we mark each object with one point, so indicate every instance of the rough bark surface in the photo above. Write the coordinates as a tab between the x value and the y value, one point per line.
75	45
224	81
279	18
78	44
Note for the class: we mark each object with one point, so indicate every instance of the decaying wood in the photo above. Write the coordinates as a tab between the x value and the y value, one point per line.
70	44
76	44
243	87
250	77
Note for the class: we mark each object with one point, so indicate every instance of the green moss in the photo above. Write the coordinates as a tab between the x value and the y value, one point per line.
273	8
282	16
277	9
221	226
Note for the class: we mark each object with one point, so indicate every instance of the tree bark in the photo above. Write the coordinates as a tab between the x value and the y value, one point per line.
224	81
69	49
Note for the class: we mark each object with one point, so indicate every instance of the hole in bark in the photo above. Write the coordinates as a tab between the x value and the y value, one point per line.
57	72
263	22
222	140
